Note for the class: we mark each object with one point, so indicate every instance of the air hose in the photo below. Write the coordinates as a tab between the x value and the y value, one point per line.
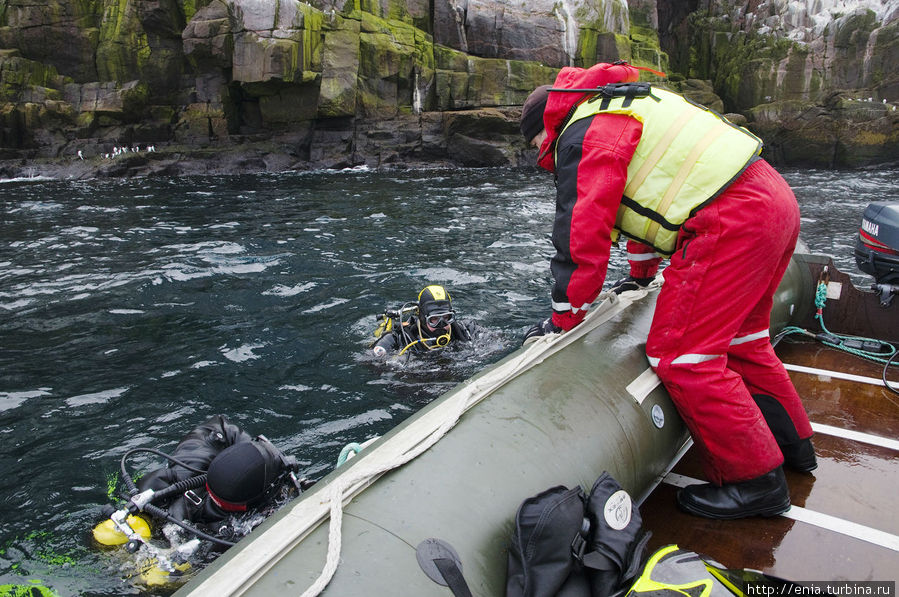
132	488
872	349
160	513
181	486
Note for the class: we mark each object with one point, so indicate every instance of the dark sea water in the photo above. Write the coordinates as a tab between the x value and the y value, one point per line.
132	310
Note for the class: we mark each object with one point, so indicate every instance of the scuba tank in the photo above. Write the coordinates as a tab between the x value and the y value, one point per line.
396	321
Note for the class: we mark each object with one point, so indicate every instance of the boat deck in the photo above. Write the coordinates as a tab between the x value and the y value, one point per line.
843	523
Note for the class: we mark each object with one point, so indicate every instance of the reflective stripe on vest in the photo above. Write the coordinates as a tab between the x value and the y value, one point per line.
686	156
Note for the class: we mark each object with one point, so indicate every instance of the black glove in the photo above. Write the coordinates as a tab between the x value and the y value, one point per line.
541	329
630	283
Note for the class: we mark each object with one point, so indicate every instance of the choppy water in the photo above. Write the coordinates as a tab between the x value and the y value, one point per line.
132	310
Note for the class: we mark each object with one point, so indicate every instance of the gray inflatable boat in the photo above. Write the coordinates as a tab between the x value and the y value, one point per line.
559	411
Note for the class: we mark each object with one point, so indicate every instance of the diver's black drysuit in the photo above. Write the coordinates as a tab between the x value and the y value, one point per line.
197	449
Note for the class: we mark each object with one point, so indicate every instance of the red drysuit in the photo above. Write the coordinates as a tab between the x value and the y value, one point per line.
709	340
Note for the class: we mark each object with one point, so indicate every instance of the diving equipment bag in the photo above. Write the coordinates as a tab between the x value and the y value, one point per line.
574	544
570	544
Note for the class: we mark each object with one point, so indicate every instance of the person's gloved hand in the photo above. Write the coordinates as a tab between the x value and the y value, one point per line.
630	283
541	329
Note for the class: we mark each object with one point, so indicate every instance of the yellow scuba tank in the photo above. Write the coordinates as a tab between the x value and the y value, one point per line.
155	576
386	326
106	533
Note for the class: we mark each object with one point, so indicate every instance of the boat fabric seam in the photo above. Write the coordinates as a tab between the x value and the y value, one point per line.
252	563
835	374
818	519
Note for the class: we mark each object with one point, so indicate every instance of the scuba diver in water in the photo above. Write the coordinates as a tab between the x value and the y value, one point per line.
425	325
242	472
215	471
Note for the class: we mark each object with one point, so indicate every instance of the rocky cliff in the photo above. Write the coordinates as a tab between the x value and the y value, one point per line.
125	87
817	79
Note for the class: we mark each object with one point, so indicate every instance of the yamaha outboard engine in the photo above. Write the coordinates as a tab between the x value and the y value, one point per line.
877	248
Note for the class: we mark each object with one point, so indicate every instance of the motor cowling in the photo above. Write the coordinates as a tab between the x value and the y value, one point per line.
877	246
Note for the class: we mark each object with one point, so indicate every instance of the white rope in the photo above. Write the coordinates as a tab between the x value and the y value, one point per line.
336	493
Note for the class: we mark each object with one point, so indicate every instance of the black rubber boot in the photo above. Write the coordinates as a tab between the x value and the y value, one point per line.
799	454
767	495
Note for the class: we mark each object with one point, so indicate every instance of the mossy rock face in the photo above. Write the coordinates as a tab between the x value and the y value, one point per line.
340	69
481	137
200	123
883	62
845	132
284	54
396	70
199	71
464	82
59	33
208	38
756	57
289	104
123	45
18	75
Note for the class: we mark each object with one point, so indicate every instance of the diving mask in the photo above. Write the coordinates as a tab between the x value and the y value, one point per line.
440	320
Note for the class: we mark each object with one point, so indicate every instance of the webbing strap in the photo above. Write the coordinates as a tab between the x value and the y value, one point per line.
598	561
453	577
681	177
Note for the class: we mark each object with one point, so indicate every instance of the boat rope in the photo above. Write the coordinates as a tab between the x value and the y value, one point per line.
345	453
871	349
338	490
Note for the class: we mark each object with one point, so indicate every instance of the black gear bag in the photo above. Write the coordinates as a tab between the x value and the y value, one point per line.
616	542
566	543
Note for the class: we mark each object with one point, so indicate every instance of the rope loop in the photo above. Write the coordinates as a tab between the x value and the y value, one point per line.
821	295
345	453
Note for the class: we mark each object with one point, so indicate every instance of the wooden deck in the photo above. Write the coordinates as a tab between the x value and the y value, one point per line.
844	523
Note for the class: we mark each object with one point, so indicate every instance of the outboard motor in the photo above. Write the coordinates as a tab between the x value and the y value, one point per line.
877	248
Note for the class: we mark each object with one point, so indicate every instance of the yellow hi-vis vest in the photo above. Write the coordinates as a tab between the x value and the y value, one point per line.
686	156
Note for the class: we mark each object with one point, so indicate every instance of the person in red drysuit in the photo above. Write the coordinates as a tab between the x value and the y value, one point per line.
709	339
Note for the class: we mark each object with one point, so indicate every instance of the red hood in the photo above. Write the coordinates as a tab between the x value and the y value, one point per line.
560	103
